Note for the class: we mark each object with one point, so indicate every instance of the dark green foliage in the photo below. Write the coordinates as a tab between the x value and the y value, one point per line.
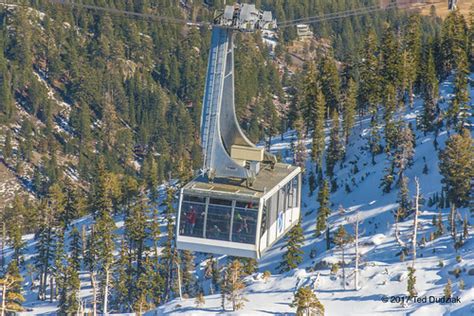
307	303
349	109
294	254
457	167
411	282
75	248
323	210
335	149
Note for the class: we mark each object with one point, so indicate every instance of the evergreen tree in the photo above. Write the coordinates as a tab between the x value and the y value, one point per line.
349	110
404	152
69	290
318	130
323	210
307	303
341	238
457	167
390	104
235	285
122	282
293	255
430	95
10	287
188	278
458	112
411	282
448	291
335	148
391	70
330	82
369	82
75	248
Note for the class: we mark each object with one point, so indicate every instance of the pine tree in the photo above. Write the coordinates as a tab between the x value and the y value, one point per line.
293	255
10	287
307	303
448	291
335	148
412	55
390	105
439	225
122	285
457	167
458	112
187	264
369	82
323	210
75	248
404	152
391	70
411	282
318	145
349	110
341	238
330	82
430	95
69	290
92	264
403	199
235	285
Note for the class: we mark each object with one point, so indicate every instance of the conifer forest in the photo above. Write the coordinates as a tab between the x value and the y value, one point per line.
106	108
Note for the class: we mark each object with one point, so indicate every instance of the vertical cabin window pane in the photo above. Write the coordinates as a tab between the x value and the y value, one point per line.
218	221
263	226
192	219
244	227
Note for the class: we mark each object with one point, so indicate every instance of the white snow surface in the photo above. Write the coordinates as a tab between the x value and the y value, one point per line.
381	271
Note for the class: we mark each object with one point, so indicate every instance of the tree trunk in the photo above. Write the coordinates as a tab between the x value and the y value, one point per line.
397	235
106	291
343	269
410	97
94	294
4	299
178	270
415	220
51	288
452	220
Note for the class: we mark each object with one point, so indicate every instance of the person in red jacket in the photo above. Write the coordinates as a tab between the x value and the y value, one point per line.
191	220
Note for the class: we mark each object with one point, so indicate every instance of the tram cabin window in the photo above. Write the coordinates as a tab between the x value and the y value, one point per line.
192	216
219	214
244	226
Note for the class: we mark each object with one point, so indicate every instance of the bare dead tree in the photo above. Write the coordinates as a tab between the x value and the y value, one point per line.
357	256
415	219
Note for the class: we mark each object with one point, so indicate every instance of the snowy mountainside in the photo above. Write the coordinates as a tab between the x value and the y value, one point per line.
382	272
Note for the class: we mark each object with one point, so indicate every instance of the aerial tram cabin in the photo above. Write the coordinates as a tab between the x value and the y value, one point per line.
244	200
227	217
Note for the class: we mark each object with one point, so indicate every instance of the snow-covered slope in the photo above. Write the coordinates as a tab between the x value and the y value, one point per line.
382	272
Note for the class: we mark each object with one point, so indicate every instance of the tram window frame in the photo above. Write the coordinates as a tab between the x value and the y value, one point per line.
218	201
248	222
219	207
186	225
194	198
263	225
